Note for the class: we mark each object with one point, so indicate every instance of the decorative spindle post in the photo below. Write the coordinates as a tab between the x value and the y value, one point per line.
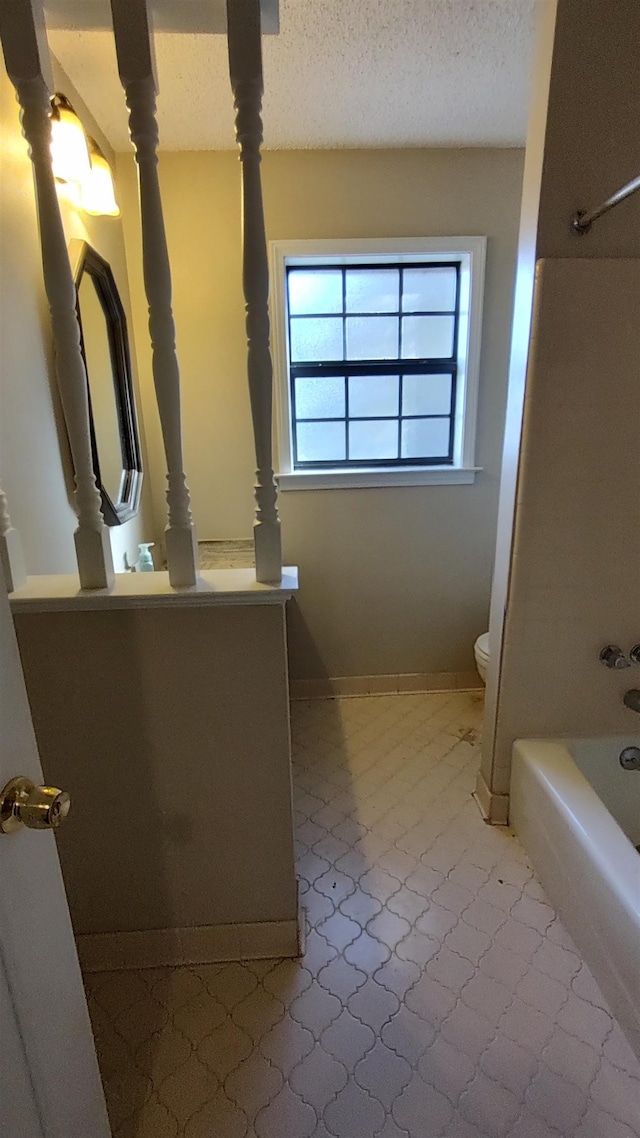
245	67
134	47
28	65
10	549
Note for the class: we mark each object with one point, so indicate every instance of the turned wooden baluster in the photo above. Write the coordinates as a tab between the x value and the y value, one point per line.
245	67
28	65
136	66
10	549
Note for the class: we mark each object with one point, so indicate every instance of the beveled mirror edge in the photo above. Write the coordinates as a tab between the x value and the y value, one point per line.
81	255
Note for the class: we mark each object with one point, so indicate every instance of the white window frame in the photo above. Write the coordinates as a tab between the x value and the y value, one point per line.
472	254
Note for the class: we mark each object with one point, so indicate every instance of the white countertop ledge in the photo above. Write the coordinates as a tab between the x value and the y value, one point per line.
61	592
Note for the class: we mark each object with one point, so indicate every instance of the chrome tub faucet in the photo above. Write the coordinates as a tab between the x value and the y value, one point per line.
613	657
631	699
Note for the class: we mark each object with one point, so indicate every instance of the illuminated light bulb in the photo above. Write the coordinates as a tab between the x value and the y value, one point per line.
69	151
98	196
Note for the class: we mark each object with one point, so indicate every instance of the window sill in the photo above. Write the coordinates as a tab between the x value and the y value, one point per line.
375	477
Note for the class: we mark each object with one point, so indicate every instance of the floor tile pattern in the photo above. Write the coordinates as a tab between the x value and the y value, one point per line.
226	554
439	995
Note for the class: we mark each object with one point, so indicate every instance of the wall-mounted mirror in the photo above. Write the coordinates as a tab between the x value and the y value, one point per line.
115	442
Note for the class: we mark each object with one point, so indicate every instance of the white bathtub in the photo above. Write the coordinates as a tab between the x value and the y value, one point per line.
577	812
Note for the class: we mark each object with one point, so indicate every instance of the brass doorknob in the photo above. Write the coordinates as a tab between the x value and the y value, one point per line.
22	803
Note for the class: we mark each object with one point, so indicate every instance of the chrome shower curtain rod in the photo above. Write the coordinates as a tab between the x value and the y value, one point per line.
583	219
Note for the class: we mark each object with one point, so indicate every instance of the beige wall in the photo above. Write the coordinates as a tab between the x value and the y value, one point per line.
583	145
173	742
392	580
35	468
592	144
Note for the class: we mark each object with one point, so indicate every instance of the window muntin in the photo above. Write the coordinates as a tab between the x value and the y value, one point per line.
373	371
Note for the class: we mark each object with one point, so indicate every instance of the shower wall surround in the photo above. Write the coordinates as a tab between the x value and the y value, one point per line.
575	574
573	550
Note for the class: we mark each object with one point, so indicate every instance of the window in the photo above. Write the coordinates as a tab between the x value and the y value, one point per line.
377	346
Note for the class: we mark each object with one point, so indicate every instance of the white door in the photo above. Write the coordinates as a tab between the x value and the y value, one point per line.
49	1080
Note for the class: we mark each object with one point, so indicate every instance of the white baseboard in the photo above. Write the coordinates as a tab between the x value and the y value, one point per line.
330	687
203	944
493	807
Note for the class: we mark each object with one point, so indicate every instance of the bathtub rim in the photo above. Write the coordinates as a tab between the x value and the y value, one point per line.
545	774
559	770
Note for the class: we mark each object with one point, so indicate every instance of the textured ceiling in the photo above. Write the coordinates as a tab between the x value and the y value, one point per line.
342	73
167	15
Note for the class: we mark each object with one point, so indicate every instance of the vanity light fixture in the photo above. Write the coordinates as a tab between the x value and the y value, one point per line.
79	164
69	151
98	195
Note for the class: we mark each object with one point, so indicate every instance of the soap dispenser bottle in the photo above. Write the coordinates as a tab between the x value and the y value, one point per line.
145	560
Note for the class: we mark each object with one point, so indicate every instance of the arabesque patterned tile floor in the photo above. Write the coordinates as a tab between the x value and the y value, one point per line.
439	994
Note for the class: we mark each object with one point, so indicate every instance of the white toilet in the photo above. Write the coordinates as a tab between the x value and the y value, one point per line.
481	653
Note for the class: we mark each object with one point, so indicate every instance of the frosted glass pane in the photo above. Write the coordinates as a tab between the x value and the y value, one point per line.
373	395
426	395
372	290
427	337
372	337
425	438
429	290
314	292
373	440
314	340
321	442
319	398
